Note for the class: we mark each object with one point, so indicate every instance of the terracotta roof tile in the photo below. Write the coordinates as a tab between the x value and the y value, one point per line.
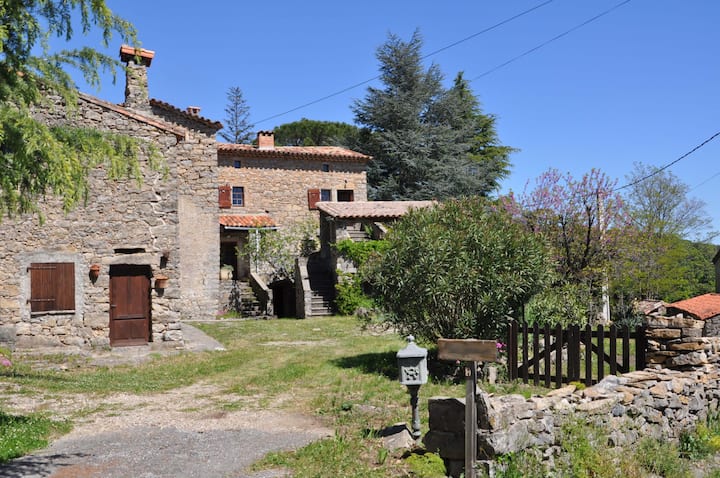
173	109
247	220
371	209
701	307
328	153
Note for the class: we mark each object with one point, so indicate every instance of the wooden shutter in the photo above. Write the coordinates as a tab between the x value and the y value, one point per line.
52	286
313	198
225	197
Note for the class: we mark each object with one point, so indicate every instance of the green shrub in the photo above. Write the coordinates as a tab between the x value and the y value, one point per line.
359	252
349	295
427	465
660	458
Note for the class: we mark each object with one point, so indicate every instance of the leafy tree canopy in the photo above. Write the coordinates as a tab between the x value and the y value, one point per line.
308	132
36	158
659	205
457	270
428	141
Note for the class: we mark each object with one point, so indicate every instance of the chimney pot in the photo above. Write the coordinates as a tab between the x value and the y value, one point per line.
266	140
193	110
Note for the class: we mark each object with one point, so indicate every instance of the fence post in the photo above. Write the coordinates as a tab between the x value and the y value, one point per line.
548	366
558	355
512	350
640	347
525	353
613	349
536	354
588	355
600	352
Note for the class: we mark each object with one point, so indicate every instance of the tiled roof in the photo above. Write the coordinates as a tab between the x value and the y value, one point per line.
173	109
247	220
701	307
371	209
328	153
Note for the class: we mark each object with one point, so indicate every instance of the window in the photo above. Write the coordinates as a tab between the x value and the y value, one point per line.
52	286
345	195
237	164
238	196
325	168
326	194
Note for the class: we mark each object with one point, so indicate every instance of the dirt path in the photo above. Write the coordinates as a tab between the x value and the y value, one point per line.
180	433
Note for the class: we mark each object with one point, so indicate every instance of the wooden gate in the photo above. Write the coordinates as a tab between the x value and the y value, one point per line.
574	354
130	322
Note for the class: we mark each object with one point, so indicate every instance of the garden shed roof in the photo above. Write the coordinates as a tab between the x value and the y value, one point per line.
701	307
370	209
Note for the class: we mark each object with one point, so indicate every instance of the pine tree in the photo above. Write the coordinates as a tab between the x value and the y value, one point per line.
238	128
428	142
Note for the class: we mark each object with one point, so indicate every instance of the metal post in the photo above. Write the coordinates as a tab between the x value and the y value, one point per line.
414	389
470	420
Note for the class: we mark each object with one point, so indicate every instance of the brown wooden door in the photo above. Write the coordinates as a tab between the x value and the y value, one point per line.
129	306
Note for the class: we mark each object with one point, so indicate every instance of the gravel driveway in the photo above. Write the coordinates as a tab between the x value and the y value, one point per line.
185	432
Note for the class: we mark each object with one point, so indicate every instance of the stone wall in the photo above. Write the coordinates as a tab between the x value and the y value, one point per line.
678	390
279	186
681	342
657	403
167	223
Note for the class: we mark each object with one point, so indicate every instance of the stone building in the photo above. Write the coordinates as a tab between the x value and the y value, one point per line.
127	266
264	186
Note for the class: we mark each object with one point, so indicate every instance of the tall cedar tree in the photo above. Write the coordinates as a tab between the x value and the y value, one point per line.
36	159
238	128
428	142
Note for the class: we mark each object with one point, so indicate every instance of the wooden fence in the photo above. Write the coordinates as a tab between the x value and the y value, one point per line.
564	360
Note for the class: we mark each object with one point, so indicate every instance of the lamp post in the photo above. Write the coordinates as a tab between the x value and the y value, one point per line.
412	361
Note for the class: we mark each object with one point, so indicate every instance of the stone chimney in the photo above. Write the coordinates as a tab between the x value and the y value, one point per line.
136	84
193	110
265	140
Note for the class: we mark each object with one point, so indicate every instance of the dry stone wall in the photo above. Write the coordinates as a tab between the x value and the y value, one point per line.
678	390
658	403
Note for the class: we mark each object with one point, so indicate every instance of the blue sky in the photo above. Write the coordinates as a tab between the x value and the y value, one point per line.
637	84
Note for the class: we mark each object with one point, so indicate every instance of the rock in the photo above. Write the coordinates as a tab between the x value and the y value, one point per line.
397	436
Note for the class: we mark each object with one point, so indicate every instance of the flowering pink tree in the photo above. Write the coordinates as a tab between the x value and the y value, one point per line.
578	218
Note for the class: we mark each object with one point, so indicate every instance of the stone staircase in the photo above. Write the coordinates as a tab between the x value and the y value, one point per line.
322	285
357	235
241	298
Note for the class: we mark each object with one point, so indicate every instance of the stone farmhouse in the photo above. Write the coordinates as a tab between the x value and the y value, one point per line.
132	262
264	186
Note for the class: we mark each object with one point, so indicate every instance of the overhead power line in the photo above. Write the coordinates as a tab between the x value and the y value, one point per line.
553	39
357	85
666	166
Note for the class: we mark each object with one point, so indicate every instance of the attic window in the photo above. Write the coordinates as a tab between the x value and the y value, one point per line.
236	164
325	168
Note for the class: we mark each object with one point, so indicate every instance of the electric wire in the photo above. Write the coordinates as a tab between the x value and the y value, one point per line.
666	166
357	85
553	39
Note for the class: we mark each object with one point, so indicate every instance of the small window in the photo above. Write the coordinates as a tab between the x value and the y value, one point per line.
52	286
345	195
237	164
326	194
325	168
238	196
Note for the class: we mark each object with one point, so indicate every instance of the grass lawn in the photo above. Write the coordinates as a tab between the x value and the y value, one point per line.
326	367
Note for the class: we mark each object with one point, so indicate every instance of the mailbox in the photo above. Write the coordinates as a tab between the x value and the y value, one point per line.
412	361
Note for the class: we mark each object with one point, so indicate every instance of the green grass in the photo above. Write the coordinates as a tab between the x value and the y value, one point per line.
22	434
330	368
